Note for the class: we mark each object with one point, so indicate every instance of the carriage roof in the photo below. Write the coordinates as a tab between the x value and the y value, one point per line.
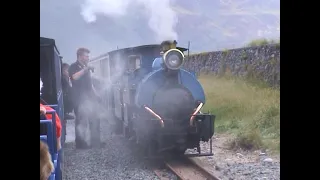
135	49
50	70
48	42
143	47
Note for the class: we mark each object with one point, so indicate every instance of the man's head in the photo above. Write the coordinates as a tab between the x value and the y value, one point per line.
83	55
167	45
65	68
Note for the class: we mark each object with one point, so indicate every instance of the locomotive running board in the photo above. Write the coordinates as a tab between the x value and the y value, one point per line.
198	155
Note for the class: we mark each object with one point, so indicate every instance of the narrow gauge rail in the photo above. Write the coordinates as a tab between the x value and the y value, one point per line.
186	169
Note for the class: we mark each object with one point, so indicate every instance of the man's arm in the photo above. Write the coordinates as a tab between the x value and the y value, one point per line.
75	74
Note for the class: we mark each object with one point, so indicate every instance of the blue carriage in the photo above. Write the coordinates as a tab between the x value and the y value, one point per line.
51	95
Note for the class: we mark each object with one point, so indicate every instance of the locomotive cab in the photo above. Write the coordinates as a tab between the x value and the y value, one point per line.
133	63
130	80
134	71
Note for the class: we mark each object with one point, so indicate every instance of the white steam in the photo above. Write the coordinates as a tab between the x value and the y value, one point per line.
105	7
161	18
41	84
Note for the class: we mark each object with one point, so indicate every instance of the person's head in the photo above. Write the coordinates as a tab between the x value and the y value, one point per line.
46	166
167	45
83	55
65	68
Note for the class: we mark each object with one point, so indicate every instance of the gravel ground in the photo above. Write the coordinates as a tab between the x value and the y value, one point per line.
118	160
240	165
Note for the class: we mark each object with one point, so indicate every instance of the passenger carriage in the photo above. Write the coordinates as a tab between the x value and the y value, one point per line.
51	94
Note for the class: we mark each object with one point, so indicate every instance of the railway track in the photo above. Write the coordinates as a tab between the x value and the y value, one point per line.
185	169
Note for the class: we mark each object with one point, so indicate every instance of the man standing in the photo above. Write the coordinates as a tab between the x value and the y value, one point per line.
84	100
66	88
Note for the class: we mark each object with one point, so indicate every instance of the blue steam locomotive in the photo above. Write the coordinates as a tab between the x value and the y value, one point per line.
154	100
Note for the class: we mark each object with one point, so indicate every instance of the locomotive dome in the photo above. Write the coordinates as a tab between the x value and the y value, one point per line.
168	44
157	63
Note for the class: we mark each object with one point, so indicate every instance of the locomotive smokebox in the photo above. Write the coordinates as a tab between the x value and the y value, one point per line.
173	102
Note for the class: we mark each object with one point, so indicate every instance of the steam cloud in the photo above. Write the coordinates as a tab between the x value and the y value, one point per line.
41	84
162	19
92	111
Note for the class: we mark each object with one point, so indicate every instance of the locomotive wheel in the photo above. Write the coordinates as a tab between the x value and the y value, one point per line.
180	148
148	146
152	148
178	151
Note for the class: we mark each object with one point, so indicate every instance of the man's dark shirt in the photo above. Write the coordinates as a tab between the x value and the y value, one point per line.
81	87
67	93
65	85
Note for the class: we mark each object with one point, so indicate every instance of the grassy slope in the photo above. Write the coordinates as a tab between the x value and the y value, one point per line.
249	112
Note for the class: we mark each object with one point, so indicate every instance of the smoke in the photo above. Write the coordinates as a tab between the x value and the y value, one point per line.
92	111
41	84
61	21
161	18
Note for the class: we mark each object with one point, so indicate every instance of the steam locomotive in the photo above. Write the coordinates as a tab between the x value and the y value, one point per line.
154	100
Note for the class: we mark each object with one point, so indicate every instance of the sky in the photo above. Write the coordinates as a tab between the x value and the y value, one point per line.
104	25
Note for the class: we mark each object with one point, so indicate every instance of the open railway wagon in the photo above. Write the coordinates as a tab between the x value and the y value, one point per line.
51	94
154	101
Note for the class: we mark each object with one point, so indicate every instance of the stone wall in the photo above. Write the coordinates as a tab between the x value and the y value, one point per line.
261	62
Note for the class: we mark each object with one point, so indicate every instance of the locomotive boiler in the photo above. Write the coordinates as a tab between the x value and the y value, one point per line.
155	101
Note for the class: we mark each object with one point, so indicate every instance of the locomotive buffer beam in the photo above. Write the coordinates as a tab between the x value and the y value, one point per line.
205	124
203	128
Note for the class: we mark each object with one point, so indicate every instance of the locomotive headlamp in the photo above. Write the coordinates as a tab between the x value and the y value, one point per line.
173	59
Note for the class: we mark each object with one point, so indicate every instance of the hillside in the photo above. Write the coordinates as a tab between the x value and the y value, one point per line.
208	24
